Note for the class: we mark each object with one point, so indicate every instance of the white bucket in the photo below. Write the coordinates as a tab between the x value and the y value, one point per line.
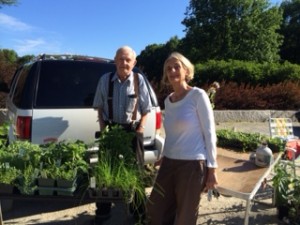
264	156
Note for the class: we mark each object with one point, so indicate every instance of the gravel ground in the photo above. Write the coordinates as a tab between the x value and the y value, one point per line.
224	210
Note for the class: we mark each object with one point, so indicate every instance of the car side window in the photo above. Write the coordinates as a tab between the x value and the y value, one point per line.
18	85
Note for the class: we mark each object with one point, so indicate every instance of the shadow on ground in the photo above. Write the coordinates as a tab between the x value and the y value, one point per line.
234	215
38	209
62	213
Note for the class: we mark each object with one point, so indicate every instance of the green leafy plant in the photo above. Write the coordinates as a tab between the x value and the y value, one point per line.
27	180
117	167
48	172
8	174
287	190
19	161
246	142
25	153
64	160
67	156
116	141
3	134
66	172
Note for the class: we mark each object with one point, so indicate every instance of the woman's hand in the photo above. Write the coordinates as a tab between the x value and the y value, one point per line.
212	180
158	162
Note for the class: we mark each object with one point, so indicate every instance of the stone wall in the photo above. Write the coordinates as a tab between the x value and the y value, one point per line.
251	115
232	115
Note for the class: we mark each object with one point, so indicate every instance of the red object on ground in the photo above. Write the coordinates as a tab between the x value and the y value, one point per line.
295	144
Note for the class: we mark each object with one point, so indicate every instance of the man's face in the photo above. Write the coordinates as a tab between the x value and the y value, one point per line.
125	62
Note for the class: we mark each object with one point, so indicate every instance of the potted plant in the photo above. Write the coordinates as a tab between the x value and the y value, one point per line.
8	172
25	153
66	176
46	180
47	176
66	180
71	165
62	163
27	180
286	185
4	128
117	175
8	177
26	158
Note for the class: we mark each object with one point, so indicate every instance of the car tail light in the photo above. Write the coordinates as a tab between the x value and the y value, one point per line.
23	127
158	120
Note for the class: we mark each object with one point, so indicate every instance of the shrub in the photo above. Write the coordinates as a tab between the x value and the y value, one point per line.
281	96
247	142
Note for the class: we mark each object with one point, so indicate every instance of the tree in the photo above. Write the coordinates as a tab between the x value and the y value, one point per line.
25	59
290	29
7	2
236	29
151	59
9	56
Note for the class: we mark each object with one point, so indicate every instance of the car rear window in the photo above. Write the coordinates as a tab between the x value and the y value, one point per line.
69	84
22	86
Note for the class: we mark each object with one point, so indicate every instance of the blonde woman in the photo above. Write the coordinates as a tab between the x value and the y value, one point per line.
188	165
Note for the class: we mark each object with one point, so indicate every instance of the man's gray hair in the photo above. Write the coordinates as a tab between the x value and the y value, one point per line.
128	49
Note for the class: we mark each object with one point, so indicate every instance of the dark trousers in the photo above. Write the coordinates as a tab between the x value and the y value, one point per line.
175	197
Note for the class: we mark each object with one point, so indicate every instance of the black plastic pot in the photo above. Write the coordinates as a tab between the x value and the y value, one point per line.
282	211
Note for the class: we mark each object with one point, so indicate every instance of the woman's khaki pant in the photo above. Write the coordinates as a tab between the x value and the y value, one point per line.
175	197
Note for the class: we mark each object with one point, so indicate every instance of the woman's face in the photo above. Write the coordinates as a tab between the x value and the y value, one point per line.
176	72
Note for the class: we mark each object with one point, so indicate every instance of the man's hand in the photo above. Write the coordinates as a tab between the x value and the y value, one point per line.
140	129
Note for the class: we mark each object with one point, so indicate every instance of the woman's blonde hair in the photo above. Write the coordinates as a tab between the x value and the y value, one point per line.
185	63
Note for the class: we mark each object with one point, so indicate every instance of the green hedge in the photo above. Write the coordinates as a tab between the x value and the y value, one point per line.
245	72
247	142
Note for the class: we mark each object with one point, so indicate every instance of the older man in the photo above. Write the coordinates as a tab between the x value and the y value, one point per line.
122	98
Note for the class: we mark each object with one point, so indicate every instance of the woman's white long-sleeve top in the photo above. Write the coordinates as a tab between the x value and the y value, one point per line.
190	128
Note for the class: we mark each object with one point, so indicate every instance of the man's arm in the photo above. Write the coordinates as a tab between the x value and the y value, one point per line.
142	125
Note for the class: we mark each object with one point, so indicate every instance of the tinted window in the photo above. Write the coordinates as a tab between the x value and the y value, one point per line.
69	84
18	86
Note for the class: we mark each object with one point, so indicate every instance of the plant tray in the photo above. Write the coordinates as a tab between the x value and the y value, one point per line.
108	194
45	182
6	204
56	191
62	183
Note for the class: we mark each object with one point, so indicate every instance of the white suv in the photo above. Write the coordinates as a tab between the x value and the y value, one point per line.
50	99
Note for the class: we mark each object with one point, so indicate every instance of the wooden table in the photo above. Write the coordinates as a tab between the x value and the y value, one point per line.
242	178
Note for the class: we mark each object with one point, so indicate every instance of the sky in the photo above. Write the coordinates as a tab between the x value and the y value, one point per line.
92	28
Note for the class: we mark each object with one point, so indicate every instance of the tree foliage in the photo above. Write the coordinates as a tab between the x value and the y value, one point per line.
290	29
9	56
236	29
245	72
8	2
151	59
